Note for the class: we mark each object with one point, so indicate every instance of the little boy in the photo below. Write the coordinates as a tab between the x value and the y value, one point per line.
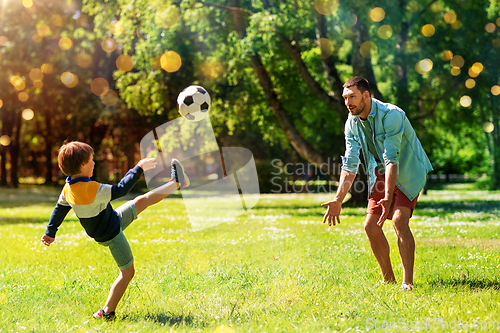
90	200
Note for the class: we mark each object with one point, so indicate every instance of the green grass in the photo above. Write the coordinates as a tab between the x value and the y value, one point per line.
275	269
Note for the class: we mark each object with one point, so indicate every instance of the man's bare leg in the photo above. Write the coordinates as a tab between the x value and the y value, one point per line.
380	246
406	242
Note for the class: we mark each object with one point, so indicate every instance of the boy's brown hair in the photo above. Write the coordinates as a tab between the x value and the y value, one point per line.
72	156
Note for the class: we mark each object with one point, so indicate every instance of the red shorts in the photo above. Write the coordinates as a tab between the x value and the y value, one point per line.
378	193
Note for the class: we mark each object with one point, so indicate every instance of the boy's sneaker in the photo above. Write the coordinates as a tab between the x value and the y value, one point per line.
103	315
178	174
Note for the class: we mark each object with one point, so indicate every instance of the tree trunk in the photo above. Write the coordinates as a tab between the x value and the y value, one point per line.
7	126
15	147
362	66
328	62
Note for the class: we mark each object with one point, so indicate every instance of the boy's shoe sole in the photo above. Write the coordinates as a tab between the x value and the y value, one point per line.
181	178
103	315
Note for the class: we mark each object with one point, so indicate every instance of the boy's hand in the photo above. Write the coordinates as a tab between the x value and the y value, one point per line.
47	240
147	163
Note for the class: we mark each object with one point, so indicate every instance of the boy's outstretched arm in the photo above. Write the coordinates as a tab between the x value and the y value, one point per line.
131	177
58	214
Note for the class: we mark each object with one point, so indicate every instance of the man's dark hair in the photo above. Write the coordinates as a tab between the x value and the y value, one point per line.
360	82
72	155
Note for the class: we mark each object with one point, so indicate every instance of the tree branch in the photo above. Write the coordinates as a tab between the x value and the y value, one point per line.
333	102
229	8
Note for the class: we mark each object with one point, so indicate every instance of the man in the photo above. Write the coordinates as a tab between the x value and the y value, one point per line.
397	169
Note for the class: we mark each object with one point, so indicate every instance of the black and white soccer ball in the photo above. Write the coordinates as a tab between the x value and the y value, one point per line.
194	103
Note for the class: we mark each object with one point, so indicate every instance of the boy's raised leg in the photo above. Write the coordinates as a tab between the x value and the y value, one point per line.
178	179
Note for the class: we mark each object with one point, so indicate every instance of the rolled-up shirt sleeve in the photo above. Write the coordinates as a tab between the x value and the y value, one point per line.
351	161
394	129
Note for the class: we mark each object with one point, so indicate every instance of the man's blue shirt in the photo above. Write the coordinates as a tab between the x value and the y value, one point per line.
395	141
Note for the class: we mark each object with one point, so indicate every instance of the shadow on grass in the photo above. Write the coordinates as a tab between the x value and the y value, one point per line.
473	206
468	282
29	220
167	319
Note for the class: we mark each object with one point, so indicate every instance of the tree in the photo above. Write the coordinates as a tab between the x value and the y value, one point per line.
278	66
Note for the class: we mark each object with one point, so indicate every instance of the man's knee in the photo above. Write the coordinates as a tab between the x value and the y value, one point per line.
370	224
401	219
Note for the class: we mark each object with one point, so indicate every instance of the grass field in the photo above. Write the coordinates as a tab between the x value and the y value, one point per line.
276	269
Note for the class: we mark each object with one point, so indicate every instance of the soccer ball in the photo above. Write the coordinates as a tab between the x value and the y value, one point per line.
194	103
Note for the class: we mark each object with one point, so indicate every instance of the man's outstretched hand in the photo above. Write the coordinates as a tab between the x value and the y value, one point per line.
332	212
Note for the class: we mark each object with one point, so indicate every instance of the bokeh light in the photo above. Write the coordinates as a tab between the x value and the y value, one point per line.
170	61
428	30
110	98
1	103
211	69
385	31
412	6
450	17
436	7
351	20
488	127
141	34
84	60
47	68
116	27
99	86
124	62
23	96
36	74
27	3
326	47
36	38
37	84
475	69
377	14
18	82
490	27
5	140
167	17
465	101
367	48
43	30
455	71
108	45
446	55
424	66
4	40
65	43
28	114
470	83
69	79
57	20
495	90
478	67
457	61
456	25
